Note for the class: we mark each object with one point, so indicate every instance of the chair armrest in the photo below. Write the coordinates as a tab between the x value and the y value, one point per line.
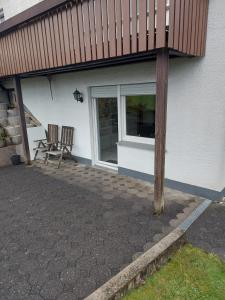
36	141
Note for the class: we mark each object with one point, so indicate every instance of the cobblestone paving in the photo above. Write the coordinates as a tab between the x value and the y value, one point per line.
208	232
66	232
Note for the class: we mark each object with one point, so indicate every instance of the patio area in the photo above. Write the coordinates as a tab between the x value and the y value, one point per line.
66	232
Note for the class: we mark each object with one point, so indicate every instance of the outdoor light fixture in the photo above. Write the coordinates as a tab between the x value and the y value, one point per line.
78	96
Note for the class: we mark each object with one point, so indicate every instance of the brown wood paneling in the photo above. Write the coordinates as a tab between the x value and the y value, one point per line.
61	38
134	47
105	28
7	60
200	27
33	62
25	49
9	47
46	51
81	31
194	25
66	37
181	31
41	40
119	27
93	30
12	54
22	58
52	36
186	24
5	55
190	26
151	33
49	42
57	40
87	33
99	34
161	24
205	23
1	62
176	25
197	27
17	50
2	55
171	23
70	33
112	28
34	46
76	36
126	26
142	25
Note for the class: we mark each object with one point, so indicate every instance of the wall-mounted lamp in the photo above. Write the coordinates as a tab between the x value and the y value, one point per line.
78	96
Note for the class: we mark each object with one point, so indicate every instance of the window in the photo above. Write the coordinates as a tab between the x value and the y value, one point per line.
139	118
136	109
2	17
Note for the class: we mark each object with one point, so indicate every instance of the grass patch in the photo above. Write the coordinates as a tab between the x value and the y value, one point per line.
190	274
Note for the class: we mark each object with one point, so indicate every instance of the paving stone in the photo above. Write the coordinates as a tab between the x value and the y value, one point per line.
67	296
61	241
51	289
33	297
57	265
69	275
208	231
84	288
19	290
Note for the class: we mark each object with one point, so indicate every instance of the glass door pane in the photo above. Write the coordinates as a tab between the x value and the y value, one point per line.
107	118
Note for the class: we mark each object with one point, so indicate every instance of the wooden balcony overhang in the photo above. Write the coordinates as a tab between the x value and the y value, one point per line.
58	35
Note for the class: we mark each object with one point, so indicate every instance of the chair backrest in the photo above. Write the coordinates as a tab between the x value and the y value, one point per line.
53	133
67	136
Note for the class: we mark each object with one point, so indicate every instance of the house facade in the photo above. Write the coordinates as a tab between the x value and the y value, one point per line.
115	125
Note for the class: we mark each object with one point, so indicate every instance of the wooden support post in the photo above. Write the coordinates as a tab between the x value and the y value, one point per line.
20	106
162	65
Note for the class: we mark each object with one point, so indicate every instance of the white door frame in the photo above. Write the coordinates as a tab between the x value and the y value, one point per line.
95	132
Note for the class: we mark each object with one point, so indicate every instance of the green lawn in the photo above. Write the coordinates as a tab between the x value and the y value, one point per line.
191	274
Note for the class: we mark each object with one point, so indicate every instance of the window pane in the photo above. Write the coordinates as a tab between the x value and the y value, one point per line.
140	116
107	129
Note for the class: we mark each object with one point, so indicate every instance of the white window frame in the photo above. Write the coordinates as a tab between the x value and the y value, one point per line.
122	136
130	138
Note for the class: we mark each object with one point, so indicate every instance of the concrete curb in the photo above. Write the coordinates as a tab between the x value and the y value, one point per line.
149	262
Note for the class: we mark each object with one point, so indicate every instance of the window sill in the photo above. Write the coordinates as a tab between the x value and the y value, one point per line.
140	146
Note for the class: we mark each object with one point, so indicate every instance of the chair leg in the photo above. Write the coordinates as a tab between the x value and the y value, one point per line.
35	156
60	160
46	159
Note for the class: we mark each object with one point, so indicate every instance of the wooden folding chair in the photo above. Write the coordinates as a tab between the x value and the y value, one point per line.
52	140
65	146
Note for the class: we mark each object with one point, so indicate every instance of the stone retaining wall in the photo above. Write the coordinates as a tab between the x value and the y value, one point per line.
5	154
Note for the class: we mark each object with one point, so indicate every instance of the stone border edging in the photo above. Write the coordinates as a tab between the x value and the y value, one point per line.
147	263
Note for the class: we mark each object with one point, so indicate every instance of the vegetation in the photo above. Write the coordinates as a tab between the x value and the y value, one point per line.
2	134
190	274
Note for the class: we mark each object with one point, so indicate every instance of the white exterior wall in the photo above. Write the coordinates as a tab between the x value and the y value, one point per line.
64	110
196	110
14	7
